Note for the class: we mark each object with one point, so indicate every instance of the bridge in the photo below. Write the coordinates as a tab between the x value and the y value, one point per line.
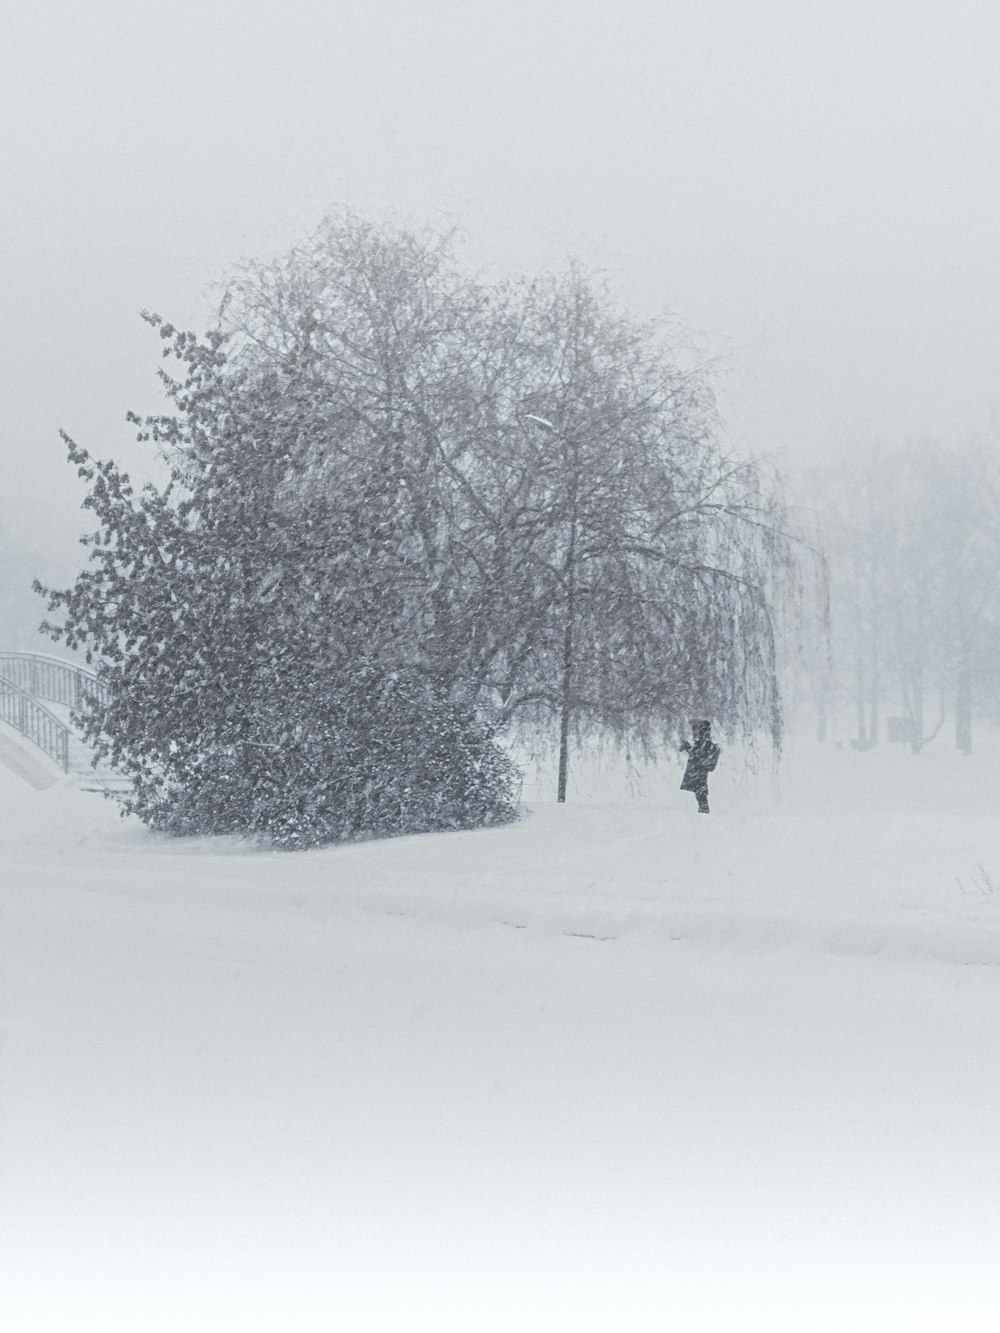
37	695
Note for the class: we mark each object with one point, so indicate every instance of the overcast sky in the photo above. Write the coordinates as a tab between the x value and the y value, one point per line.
813	185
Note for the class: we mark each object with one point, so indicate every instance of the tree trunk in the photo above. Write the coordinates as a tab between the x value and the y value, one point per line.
567	671
821	720
873	689
859	700
917	714
963	708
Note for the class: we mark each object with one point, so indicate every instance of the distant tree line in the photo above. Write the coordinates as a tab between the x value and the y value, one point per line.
406	509
912	536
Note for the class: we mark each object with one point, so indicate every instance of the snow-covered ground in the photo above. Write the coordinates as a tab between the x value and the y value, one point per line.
615	1067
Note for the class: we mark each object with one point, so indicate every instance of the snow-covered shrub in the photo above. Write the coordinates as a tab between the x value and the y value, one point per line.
379	756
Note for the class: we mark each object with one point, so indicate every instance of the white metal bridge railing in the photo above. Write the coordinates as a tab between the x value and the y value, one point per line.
51	678
33	720
26	679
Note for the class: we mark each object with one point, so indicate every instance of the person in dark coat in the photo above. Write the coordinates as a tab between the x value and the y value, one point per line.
703	755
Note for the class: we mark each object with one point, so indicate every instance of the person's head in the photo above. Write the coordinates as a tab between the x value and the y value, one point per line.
700	727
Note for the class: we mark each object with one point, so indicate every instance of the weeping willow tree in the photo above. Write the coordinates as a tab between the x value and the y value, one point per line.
658	560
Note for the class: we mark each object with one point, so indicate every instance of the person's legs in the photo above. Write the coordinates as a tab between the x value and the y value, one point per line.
701	792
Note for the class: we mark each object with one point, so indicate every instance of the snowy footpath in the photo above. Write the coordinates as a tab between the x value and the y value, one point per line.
615	1067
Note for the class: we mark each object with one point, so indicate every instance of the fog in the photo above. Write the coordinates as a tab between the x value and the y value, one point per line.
813	189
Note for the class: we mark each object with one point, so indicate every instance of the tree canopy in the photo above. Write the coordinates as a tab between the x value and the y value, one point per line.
405	507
